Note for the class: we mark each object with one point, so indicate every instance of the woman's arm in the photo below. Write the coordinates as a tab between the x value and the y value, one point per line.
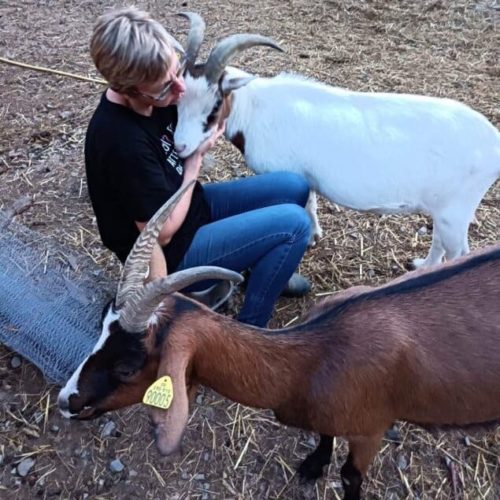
192	165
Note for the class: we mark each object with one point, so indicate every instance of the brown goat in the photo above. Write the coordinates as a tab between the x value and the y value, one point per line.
424	348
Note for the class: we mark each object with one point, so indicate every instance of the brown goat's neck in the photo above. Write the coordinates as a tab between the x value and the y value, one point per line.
252	366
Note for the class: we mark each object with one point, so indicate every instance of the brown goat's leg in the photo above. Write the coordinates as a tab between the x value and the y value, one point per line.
192	390
312	467
362	449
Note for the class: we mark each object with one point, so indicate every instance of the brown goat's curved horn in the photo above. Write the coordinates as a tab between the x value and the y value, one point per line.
137	264
227	47
138	309
195	36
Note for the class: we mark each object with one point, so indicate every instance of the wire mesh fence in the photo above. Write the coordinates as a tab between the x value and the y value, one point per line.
51	300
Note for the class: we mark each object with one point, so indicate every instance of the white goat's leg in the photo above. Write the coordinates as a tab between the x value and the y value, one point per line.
312	210
436	252
454	233
449	236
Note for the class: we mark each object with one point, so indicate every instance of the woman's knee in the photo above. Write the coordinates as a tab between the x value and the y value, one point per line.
296	220
294	186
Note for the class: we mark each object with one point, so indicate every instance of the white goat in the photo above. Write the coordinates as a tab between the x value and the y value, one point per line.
376	152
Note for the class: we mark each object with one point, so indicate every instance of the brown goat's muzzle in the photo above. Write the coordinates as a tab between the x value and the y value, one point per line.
163	444
88	413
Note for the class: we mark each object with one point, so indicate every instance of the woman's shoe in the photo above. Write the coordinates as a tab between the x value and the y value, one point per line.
297	286
214	296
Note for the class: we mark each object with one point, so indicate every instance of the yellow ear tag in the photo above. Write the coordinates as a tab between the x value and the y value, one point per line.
160	393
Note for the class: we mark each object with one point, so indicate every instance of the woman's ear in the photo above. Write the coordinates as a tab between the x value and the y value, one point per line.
170	423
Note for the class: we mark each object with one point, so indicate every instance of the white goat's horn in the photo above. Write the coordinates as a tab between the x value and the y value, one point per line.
138	309
175	44
227	47
136	266
195	36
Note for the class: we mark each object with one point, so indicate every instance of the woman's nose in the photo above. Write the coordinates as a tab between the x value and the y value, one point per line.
181	84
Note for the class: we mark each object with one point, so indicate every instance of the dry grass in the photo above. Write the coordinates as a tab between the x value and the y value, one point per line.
438	47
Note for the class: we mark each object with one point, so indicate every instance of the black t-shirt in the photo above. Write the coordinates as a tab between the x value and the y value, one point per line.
132	169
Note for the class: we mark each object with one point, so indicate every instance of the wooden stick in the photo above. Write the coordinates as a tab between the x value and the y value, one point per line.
53	71
18	207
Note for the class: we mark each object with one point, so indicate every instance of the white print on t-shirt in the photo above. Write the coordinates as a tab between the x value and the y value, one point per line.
170	153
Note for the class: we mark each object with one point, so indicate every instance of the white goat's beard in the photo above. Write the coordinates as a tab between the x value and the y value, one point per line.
192	149
207	163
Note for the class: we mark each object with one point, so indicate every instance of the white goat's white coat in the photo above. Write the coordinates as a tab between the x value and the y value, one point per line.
377	152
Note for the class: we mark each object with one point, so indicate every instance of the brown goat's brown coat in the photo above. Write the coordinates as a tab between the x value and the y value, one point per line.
424	348
430	356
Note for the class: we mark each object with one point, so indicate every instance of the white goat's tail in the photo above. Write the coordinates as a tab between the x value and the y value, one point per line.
498	158
497	155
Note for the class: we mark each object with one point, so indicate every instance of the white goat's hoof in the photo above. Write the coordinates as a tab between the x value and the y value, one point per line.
316	235
418	263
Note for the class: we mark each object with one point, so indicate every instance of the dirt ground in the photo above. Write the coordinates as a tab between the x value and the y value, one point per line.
436	47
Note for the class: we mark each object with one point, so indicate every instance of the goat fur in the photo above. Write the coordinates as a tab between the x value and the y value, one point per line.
361	359
378	152
424	348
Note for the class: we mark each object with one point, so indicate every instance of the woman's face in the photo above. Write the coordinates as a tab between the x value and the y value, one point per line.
166	90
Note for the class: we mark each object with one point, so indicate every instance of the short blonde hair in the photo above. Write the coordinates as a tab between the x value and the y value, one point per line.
129	48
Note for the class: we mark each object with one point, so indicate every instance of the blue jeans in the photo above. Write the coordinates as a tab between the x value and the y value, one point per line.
258	223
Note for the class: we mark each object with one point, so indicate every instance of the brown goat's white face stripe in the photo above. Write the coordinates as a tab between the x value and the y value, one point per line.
71	387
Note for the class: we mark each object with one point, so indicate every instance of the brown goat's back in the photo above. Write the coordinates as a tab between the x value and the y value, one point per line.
424	348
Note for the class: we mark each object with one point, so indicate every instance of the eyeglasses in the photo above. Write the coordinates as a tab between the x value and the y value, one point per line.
168	86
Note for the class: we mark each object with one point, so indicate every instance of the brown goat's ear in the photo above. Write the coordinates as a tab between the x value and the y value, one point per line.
170	423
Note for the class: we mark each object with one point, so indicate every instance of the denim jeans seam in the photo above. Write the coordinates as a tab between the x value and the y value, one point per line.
291	242
280	201
287	201
249	245
276	270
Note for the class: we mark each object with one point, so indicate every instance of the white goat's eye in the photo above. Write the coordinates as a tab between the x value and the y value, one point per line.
212	116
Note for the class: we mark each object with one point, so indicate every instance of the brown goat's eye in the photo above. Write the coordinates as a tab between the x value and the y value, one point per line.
124	370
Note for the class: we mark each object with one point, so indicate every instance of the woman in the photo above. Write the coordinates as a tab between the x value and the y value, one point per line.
132	168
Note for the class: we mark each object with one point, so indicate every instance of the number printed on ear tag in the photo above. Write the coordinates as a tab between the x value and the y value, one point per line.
160	393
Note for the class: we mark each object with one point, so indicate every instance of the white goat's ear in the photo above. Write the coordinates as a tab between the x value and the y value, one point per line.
170	423
229	84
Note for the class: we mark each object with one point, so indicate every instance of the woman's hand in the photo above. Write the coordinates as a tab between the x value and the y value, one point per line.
209	143
192	163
